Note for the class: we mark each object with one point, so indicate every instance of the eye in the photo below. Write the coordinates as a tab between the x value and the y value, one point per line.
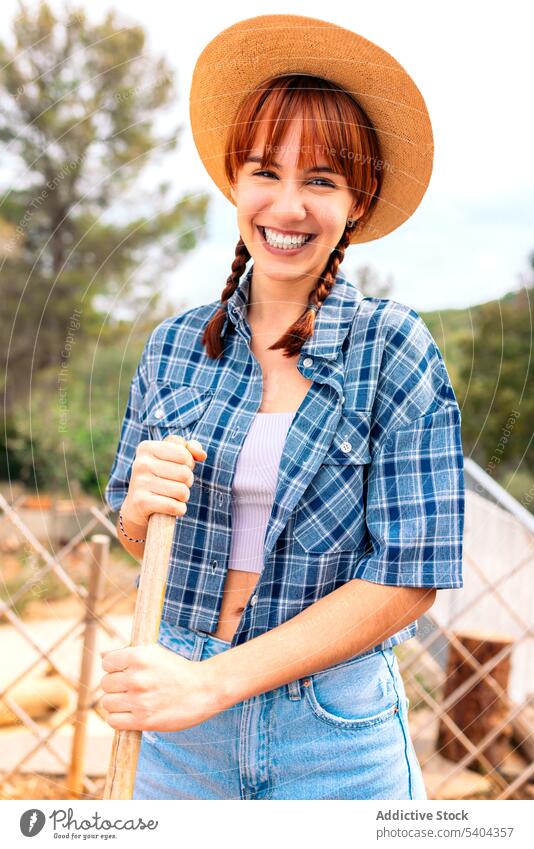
325	182
314	180
259	173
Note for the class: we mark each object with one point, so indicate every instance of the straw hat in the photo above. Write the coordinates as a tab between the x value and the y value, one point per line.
247	53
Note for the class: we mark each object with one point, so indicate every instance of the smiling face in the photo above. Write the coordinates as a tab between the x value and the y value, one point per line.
290	203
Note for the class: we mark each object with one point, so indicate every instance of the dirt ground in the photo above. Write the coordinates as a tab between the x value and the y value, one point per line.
23	786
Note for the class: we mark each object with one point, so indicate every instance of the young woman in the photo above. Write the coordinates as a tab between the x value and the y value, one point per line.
327	504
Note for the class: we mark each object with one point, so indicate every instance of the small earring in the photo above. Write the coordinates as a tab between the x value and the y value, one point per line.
351	222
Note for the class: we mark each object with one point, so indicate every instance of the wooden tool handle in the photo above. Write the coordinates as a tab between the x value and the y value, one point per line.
147	616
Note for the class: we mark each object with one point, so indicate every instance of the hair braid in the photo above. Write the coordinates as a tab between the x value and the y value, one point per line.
211	336
301	330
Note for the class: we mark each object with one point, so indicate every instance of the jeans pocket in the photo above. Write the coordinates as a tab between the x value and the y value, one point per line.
354	695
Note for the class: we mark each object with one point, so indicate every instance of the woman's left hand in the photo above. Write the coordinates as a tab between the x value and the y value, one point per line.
151	688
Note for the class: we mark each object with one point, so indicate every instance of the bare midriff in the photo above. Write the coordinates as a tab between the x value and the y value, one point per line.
283	384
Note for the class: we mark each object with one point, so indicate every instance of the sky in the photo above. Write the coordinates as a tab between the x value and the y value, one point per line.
470	238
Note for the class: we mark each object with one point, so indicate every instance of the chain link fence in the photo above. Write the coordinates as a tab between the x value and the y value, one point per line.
468	673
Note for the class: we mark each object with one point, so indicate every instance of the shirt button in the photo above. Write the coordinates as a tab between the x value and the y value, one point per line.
346	447
307	362
159	413
253	600
342	399
214	564
221	499
235	432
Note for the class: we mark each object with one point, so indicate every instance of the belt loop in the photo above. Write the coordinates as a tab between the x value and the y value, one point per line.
198	645
294	690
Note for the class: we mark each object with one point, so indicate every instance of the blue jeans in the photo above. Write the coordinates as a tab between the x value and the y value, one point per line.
341	733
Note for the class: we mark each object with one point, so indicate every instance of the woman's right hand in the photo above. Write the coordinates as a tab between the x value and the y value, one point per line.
161	479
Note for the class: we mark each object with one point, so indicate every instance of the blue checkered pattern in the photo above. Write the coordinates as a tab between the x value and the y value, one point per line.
371	481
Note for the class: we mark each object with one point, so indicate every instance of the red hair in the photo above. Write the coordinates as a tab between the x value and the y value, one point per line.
333	122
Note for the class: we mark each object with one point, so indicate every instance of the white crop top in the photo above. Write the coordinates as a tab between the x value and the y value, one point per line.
254	486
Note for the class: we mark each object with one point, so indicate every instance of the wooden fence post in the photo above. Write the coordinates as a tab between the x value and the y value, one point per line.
99	561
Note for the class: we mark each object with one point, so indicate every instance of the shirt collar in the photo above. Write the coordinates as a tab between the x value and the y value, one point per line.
332	322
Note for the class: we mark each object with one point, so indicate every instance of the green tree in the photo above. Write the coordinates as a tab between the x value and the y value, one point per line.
70	450
79	103
497	382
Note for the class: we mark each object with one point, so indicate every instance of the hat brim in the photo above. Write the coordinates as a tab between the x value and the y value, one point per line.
239	58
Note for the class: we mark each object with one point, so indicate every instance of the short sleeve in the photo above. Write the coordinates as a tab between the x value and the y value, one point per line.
132	433
413	380
415	498
415	505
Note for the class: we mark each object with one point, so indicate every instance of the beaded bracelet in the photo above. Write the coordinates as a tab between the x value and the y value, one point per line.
125	534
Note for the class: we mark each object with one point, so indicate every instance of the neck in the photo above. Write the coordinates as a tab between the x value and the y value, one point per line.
277	303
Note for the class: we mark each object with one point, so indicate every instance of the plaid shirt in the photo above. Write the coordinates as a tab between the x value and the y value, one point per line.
370	483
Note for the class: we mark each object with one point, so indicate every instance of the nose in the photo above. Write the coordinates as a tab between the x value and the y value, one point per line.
287	205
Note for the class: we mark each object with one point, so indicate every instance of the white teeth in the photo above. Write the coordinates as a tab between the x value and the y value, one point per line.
278	241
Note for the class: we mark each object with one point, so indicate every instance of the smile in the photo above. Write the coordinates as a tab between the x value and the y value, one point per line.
276	242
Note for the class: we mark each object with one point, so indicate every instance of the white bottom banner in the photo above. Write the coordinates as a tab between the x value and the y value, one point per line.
345	823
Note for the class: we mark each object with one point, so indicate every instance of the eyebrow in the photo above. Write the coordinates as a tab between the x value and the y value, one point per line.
322	169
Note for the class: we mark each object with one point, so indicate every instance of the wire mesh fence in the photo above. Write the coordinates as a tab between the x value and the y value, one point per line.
473	706
468	673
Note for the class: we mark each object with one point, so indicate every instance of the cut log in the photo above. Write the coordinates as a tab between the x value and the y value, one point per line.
523	731
47	698
480	709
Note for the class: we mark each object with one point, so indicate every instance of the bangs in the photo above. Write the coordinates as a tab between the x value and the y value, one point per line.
334	129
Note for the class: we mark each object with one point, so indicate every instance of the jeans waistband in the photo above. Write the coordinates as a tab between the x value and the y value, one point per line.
294	688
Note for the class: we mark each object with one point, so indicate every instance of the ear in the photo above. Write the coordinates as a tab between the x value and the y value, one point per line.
356	209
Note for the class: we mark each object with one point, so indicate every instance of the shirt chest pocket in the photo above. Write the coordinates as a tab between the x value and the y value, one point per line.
170	408
330	516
